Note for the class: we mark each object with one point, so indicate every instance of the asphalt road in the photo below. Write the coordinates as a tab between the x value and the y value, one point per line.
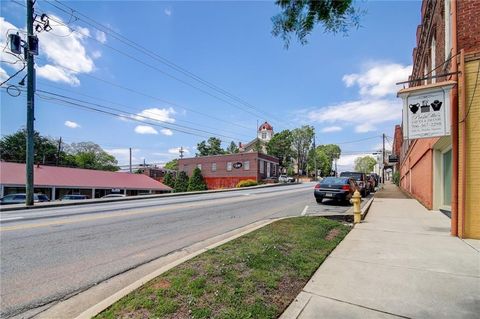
52	253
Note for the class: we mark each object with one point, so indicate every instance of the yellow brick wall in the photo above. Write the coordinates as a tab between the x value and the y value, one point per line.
472	189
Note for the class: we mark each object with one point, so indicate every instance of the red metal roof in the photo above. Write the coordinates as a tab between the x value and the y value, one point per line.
14	174
265	126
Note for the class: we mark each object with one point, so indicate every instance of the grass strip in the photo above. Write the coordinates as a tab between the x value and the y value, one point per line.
255	276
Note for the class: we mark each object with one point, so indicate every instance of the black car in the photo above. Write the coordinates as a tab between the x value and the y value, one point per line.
20	198
362	181
339	188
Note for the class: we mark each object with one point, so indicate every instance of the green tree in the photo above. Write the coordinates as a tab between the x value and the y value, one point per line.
280	146
92	156
232	148
181	182
301	142
13	149
169	179
173	165
258	146
324	164
196	182
211	147
299	17
365	164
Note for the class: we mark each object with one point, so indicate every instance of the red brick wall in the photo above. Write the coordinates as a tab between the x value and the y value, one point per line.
468	25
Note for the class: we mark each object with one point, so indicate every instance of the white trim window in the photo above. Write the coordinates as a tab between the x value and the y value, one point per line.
246	165
229	166
448	29
199	166
433	48
262	169
214	167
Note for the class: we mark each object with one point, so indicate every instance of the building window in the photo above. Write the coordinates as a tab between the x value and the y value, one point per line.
199	166
448	28
260	163
264	135
246	165
214	167
433	48
229	166
425	72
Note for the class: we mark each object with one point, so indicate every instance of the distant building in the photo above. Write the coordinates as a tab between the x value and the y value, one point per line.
155	172
264	135
225	171
57	181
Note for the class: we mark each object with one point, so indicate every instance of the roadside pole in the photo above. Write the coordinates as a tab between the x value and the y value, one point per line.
30	105
315	156
383	159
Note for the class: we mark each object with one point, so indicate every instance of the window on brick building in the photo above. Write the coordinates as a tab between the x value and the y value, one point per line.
260	163
246	165
229	166
214	167
425	72
448	28
199	166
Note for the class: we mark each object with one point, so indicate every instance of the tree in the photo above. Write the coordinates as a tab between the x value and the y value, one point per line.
301	141
299	17
258	146
333	152
232	148
196	182
169	179
92	156
365	164
280	146
324	163
211	147
13	149
181	182
173	165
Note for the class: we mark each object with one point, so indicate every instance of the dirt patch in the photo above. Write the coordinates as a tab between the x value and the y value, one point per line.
136	314
161	284
332	234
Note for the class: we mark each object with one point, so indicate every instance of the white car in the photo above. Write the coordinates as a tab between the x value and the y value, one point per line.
286	179
114	196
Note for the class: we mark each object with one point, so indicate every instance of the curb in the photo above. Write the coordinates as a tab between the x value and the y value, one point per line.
56	310
98	201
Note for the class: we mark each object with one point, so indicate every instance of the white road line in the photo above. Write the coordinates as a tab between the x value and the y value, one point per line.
305	210
11	218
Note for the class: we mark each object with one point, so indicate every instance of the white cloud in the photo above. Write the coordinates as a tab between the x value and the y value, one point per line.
96	54
57	74
72	124
363	114
167	11
176	150
123	155
379	80
101	36
145	129
162	115
331	129
3	75
166	131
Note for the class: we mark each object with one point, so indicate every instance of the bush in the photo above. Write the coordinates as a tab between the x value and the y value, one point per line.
169	179
246	183
181	182
196	182
396	178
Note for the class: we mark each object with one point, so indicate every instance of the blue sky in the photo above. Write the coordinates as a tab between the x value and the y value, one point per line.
342	85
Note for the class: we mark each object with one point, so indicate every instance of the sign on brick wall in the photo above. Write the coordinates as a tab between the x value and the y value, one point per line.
426	110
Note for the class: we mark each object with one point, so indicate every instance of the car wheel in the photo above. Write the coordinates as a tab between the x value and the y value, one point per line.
319	199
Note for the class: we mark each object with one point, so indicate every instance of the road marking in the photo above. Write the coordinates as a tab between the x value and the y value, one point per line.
11	218
305	210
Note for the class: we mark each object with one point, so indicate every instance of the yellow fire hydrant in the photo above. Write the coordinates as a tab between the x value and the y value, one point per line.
357	212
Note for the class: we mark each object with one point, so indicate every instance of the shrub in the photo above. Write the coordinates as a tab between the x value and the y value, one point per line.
396	178
181	182
196	182
246	183
169	179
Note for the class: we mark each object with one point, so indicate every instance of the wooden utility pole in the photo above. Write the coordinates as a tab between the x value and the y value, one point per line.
383	158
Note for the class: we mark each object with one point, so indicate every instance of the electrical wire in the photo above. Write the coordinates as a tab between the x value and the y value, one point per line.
15	74
154	55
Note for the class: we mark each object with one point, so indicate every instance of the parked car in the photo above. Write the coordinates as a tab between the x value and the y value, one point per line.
114	196
286	179
74	197
21	197
339	188
362	181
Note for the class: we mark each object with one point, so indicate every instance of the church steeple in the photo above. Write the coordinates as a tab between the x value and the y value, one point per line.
265	132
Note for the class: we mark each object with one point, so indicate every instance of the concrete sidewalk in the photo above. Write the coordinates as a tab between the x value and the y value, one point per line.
400	262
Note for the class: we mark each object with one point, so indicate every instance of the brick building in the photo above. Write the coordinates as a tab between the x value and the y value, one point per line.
443	172
225	171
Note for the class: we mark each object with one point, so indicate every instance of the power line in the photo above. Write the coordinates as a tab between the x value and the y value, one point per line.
93	23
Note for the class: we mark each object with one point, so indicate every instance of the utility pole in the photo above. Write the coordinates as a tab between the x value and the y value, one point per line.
383	158
130	161
315	156
181	151
30	104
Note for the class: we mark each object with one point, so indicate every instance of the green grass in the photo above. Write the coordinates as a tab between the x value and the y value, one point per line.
254	276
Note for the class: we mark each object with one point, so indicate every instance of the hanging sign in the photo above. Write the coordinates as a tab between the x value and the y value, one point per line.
426	110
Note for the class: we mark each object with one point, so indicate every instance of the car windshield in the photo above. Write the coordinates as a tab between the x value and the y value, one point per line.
357	176
335	180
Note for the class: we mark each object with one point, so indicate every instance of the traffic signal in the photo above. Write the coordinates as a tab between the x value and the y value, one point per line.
15	43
